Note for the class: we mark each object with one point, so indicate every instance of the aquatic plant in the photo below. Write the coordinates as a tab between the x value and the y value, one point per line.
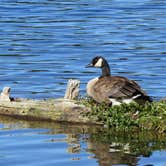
150	116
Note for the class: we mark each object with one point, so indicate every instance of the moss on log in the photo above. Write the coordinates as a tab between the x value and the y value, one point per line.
150	116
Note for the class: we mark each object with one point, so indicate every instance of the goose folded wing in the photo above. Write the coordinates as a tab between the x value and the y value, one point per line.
124	89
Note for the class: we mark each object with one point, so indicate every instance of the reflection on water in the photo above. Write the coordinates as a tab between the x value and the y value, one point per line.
44	43
42	143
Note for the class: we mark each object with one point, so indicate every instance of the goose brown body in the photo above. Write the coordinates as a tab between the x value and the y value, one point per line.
114	89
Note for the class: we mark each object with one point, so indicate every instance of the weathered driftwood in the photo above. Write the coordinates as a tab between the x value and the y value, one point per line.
5	94
59	110
72	90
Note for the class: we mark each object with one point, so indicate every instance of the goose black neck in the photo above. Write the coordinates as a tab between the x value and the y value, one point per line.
106	70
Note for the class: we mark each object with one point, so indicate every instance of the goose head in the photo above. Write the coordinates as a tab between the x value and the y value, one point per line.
100	62
97	62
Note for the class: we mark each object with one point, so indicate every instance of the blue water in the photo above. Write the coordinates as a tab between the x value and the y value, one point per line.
43	43
48	144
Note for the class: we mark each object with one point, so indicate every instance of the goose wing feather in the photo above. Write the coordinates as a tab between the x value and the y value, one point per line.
118	87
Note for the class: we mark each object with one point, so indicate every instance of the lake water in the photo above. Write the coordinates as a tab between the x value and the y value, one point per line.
48	144
43	43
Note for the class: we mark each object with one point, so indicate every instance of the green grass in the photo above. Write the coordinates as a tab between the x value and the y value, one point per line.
151	116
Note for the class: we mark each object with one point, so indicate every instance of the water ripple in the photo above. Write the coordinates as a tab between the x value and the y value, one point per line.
44	43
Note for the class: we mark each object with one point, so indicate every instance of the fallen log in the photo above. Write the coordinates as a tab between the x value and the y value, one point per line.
150	116
59	110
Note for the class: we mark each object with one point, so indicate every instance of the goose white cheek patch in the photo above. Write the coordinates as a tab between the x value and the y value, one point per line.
99	63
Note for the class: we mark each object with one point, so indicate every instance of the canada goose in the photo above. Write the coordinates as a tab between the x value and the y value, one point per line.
113	90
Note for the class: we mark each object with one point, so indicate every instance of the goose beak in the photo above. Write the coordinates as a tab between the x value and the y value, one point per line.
89	65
